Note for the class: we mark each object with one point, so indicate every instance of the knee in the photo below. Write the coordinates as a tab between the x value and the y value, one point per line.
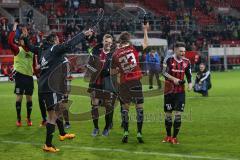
125	107
140	105
168	114
19	98
125	117
177	117
109	108
29	98
94	109
52	117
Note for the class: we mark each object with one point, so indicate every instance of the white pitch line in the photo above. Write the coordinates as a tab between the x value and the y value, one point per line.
191	97
172	155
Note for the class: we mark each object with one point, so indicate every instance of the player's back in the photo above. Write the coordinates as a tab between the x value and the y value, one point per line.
127	60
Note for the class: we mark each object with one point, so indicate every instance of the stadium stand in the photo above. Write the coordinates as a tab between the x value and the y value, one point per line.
197	22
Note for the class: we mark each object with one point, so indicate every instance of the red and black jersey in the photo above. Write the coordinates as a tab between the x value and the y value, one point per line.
102	58
126	59
178	69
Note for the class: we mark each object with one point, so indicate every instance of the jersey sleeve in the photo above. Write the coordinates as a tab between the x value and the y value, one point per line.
63	48
106	67
188	73
166	64
11	43
114	63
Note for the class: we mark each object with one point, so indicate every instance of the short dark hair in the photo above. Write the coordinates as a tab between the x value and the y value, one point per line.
179	44
51	37
124	37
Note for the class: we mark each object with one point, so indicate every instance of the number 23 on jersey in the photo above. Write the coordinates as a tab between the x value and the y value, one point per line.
128	62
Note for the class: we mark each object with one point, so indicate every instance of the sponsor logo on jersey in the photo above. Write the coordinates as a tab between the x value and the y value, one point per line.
44	64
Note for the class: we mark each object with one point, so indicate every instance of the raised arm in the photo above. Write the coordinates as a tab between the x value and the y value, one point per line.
11	43
62	48
145	38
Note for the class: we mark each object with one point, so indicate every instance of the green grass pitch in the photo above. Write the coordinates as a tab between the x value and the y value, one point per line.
210	128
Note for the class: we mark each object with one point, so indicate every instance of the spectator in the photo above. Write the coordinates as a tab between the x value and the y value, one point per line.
68	4
29	16
153	65
77	17
202	81
4	30
93	3
76	4
100	3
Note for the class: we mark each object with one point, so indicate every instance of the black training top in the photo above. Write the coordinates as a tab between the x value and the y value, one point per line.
51	57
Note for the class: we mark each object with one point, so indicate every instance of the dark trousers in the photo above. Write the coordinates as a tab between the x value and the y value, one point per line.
151	75
202	88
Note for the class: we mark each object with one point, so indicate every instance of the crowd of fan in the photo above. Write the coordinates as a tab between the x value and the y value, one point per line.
185	28
6	27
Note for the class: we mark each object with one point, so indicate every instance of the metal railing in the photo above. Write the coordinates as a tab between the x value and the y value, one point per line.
156	25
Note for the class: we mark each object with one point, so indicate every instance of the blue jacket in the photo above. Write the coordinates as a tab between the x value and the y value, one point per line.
153	62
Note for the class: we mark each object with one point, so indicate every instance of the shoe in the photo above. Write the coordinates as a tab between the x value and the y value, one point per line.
43	123
19	123
150	87
139	137
66	136
125	137
52	149
29	122
95	132
105	132
67	125
167	139
174	141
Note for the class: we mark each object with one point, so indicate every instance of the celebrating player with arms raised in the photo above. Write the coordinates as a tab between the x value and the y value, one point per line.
175	67
23	61
52	56
126	62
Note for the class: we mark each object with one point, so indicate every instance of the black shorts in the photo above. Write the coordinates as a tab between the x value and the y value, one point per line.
174	102
51	99
131	91
23	84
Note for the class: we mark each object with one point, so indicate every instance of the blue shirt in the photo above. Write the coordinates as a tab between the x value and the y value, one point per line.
153	62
